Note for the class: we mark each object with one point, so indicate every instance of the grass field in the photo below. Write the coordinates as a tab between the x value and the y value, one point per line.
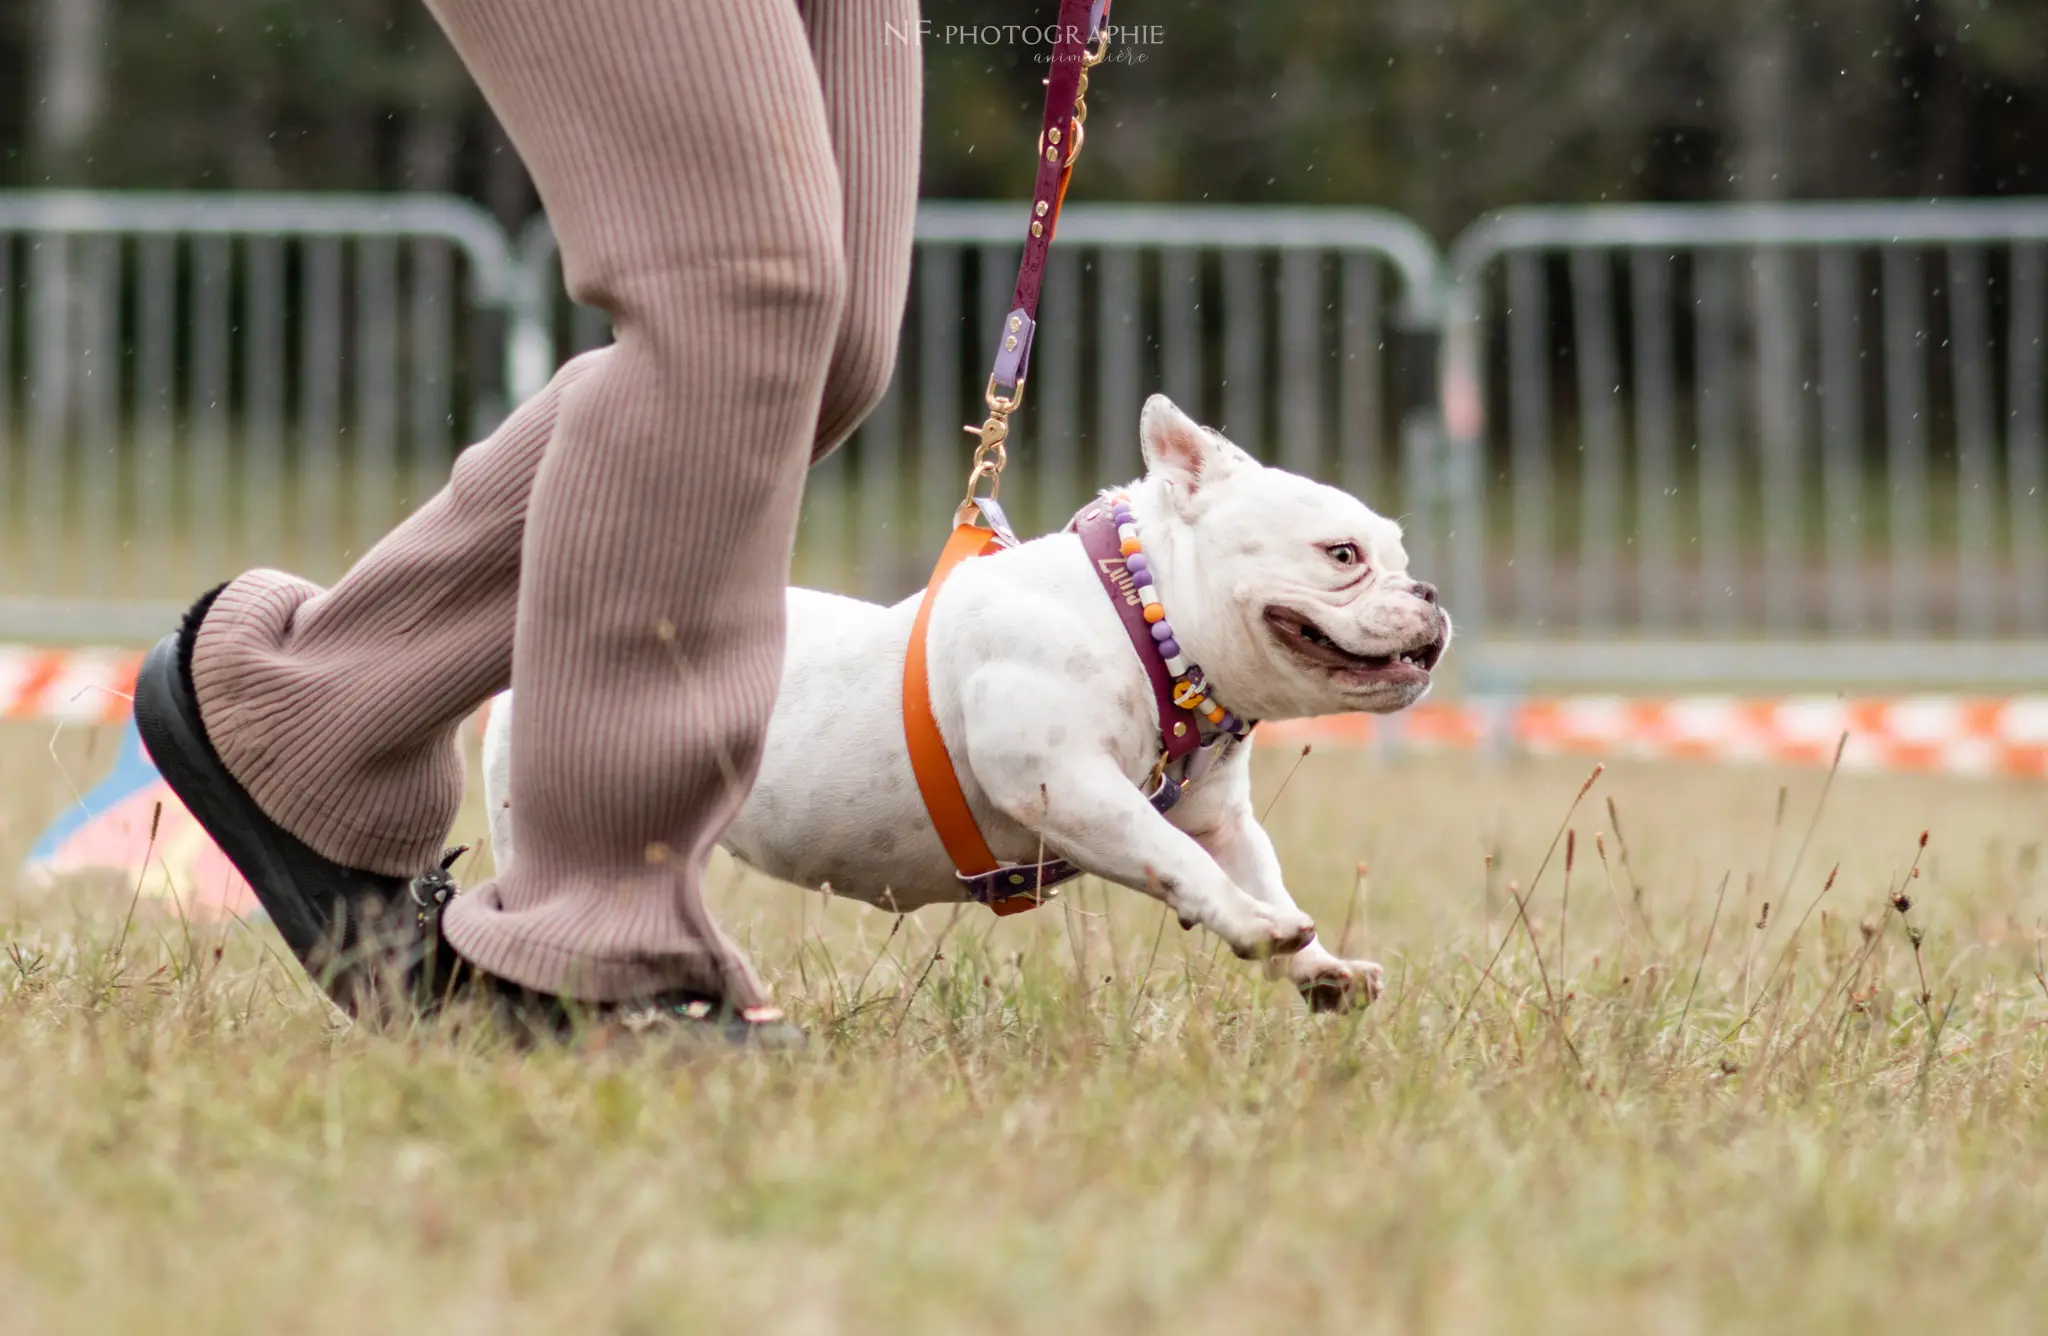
1673	1120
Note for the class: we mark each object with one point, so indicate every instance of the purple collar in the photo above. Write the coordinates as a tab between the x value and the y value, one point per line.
1179	731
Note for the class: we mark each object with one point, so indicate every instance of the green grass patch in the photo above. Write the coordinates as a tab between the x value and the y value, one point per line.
1693	1115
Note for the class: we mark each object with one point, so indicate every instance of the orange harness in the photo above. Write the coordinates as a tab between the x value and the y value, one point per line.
937	781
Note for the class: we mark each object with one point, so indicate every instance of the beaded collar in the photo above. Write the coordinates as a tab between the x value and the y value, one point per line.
1190	690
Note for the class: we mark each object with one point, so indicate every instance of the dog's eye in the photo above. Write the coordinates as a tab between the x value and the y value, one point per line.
1344	554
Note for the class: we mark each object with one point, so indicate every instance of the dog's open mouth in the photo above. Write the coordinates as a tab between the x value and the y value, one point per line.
1311	643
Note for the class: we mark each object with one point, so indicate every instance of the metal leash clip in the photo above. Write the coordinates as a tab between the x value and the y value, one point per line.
991	453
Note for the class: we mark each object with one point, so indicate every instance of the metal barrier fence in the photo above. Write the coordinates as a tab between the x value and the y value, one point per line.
1279	326
1716	443
1745	443
192	385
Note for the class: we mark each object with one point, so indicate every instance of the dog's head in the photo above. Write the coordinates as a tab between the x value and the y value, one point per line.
1294	597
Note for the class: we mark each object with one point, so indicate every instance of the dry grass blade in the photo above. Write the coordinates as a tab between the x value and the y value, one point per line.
938	946
1361	891
1820	805
860	989
1564	907
1145	979
1285	781
1553	1007
1521	910
1699	967
1621	915
1749	1013
156	816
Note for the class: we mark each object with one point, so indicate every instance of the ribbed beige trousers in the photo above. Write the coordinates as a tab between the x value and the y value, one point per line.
735	184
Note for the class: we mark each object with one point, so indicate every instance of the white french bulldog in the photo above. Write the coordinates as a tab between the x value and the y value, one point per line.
1293	597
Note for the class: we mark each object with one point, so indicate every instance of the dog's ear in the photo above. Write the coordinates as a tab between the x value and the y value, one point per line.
1183	451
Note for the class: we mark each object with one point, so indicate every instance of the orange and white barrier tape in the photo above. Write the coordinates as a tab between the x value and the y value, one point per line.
85	686
1962	735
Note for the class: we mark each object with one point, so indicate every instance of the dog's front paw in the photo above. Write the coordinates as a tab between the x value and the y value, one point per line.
1330	984
1263	931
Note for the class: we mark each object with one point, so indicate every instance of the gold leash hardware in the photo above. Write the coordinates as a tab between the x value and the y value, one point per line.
1089	60
1078	124
1094	57
990	451
1080	136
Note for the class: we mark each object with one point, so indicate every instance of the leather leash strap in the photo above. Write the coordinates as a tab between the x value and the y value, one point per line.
1059	136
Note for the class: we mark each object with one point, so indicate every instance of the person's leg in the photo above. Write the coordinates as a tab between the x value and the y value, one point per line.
351	746
872	72
337	710
650	624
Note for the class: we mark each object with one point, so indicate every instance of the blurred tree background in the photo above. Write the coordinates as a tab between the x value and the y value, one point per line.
1437	108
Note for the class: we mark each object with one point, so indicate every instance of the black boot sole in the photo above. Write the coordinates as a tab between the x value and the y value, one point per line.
315	903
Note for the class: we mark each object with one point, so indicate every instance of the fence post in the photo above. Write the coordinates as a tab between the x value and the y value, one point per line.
1461	420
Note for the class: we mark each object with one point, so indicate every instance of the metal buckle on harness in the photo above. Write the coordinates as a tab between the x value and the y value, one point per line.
1158	775
1031	892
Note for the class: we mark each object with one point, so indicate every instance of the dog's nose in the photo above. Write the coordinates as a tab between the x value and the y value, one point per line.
1424	591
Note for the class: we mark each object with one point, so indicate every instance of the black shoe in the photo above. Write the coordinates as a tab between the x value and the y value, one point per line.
372	941
404	969
321	908
419	973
